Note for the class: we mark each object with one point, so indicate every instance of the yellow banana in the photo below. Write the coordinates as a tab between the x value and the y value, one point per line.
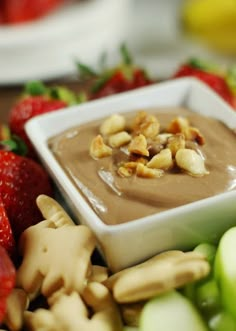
212	20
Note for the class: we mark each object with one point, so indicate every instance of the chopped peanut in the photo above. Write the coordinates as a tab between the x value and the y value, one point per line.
191	162
193	134
138	120
145	172
119	139
125	172
98	148
162	138
162	160
175	143
113	124
147	124
178	124
138	145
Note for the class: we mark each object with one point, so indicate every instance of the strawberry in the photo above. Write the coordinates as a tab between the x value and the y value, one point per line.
6	235
36	100
210	75
119	79
21	181
7	280
20	11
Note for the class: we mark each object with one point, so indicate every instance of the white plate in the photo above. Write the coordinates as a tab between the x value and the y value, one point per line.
47	48
182	227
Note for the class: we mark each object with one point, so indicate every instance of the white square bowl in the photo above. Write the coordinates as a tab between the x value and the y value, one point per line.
179	228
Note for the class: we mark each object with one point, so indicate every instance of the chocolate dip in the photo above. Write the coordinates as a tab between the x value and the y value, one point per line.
116	199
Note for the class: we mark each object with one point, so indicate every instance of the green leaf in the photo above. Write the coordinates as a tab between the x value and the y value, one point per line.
102	61
231	78
15	145
205	66
101	81
35	87
63	94
126	57
85	71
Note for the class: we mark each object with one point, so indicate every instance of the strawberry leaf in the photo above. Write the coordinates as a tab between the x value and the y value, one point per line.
101	81
63	94
85	72
126	57
35	88
15	144
231	78
205	66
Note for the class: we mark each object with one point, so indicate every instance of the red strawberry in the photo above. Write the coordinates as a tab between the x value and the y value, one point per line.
7	280
119	79
209	75
37	99
27	108
21	181
119	82
19	11
6	235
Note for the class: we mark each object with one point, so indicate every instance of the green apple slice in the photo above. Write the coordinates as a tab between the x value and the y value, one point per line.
225	270
223	321
208	250
171	311
207	297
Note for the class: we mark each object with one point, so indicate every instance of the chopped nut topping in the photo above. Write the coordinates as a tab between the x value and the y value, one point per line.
149	153
113	124
98	148
145	172
125	171
137	158
138	120
193	134
162	138
146	124
119	139
132	165
178	124
191	162
176	142
138	145
162	160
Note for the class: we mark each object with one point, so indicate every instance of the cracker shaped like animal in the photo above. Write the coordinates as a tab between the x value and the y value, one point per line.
55	253
70	312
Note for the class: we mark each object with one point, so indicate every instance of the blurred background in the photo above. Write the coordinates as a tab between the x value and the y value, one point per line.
43	39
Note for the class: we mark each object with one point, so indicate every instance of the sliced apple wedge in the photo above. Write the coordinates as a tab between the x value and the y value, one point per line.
171	311
225	270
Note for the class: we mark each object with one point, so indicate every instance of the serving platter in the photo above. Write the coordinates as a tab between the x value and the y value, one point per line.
96	259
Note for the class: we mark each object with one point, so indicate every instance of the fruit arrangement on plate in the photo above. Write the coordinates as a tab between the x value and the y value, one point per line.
47	285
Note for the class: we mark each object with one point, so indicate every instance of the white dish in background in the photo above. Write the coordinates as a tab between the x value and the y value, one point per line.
48	47
180	228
